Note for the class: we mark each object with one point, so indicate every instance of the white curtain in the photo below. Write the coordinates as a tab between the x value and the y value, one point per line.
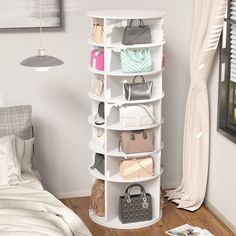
208	16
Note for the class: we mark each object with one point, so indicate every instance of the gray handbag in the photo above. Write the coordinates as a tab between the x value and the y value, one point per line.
136	34
99	117
99	163
135	208
136	91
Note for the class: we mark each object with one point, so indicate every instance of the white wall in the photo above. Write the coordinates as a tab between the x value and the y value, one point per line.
222	175
59	97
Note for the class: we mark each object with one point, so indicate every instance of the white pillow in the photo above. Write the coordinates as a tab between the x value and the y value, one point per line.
10	168
24	150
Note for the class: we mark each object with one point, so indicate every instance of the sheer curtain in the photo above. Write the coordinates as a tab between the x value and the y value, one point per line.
208	17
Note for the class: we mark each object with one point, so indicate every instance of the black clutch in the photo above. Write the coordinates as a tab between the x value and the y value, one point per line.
135	208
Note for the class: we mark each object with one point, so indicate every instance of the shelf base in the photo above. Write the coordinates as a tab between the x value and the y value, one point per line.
116	224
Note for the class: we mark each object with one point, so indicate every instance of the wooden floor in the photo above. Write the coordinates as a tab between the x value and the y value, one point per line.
172	217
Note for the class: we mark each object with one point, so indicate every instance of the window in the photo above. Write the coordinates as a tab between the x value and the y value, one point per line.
227	83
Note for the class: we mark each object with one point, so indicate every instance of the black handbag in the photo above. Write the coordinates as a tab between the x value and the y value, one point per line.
135	208
136	34
99	118
99	163
136	91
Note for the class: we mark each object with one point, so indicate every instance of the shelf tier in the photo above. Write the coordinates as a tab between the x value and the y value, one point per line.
122	46
116	223
126	14
120	100
121	73
117	126
95	148
96	174
117	153
117	178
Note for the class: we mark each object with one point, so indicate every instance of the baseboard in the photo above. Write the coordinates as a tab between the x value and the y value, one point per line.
72	194
169	185
221	216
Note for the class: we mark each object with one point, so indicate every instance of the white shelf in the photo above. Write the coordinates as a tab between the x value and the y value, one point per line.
122	46
95	97
116	223
117	126
117	178
121	100
117	153
96	174
95	148
91	121
121	73
126	14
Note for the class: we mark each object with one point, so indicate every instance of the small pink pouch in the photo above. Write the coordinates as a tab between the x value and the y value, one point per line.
97	59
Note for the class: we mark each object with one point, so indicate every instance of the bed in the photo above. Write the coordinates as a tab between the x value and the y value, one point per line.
25	207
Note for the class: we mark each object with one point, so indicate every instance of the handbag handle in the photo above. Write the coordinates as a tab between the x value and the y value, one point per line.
141	24
132	135
97	21
129	188
135	77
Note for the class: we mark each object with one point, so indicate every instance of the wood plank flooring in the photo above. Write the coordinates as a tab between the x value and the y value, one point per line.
172	217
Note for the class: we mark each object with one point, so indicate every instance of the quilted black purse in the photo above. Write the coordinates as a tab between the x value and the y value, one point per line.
135	208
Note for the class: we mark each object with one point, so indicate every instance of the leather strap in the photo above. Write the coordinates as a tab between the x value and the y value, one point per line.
149	113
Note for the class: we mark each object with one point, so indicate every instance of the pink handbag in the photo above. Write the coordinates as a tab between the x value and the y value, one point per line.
97	59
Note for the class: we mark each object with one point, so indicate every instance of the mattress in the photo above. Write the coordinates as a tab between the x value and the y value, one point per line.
27	209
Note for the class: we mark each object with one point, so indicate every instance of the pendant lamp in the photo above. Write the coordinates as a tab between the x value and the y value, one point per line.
41	61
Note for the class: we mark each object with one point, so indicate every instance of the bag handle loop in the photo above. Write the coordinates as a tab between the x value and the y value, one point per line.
141	24
129	188
138	76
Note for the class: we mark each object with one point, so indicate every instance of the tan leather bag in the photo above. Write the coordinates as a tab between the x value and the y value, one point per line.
136	141
97	31
137	168
97	199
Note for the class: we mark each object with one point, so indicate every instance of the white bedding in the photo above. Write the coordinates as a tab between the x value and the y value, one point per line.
27	209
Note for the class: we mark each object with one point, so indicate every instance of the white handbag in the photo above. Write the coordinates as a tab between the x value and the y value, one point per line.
136	115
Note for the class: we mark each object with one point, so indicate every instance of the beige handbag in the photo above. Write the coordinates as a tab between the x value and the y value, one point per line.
137	168
97	86
136	141
97	199
97	31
